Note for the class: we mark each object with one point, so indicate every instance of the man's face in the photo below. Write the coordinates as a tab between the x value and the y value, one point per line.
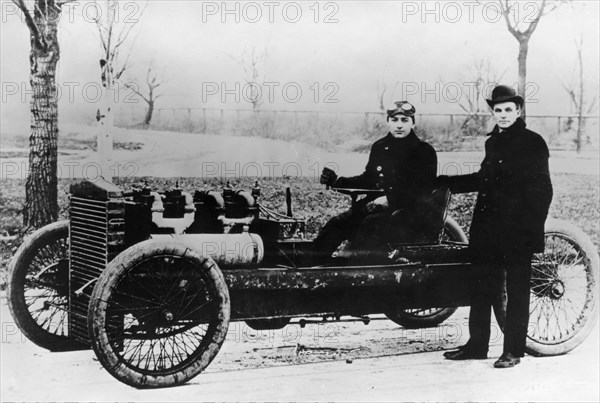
506	113
400	125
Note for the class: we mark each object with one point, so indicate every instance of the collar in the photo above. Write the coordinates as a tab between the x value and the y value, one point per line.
411	139
517	126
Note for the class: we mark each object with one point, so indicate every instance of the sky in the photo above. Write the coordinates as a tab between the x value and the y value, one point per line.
325	56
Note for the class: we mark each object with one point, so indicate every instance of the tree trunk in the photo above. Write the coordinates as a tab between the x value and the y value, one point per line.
580	106
41	188
149	113
106	116
522	59
579	130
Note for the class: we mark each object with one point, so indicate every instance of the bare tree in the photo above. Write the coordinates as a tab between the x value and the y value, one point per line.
253	65
482	78
114	31
577	96
382	85
147	89
382	88
41	187
522	29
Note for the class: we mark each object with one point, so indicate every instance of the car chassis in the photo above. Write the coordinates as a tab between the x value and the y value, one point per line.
151	280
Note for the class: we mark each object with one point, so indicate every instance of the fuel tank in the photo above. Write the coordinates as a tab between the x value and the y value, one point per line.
227	250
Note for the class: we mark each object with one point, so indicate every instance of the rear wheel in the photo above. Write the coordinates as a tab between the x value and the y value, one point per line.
38	287
158	314
430	317
564	300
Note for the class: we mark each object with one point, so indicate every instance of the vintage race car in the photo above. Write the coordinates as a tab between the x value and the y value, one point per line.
152	280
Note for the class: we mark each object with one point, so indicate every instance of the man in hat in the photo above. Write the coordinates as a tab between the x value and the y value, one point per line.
399	163
514	194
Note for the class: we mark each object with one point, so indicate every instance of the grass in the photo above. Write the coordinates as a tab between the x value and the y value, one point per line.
576	199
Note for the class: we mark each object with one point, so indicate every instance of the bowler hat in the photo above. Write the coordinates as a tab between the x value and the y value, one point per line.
504	93
401	107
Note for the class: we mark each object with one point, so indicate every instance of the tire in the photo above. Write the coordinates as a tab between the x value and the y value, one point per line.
430	317
564	291
268	324
38	287
158	314
453	232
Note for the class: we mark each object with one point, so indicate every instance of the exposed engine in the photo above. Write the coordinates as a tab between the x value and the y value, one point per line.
175	212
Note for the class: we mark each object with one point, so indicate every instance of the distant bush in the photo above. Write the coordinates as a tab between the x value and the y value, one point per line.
331	130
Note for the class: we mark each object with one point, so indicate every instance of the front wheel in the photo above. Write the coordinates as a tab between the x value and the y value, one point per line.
563	298
38	287
430	317
158	314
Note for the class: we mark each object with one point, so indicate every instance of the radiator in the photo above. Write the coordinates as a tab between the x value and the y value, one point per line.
97	223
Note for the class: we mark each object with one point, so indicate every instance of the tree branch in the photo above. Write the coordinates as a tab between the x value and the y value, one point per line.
464	108
33	28
572	95
532	27
101	35
151	81
505	7
592	105
62	3
131	87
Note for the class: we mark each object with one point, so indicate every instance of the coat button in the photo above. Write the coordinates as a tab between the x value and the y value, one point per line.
387	148
380	175
379	168
500	161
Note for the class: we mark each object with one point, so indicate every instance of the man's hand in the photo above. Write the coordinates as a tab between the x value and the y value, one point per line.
377	205
381	201
328	177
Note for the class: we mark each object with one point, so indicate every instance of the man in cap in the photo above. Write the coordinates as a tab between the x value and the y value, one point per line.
399	163
514	195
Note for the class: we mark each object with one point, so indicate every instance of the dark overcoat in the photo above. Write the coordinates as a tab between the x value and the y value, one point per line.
404	167
514	196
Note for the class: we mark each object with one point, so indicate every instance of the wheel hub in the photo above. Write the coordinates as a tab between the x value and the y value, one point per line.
168	316
557	289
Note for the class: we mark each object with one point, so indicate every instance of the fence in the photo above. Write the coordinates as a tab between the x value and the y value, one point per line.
354	131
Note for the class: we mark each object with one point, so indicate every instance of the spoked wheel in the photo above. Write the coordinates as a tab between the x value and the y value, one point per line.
563	300
38	287
430	317
158	314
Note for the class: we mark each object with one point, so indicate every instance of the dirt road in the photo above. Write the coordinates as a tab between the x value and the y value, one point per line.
170	154
345	361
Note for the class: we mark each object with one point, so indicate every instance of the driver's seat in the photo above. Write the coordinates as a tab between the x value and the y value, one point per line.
426	222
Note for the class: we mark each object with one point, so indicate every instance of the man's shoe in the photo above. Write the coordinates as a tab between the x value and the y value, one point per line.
507	360
464	354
